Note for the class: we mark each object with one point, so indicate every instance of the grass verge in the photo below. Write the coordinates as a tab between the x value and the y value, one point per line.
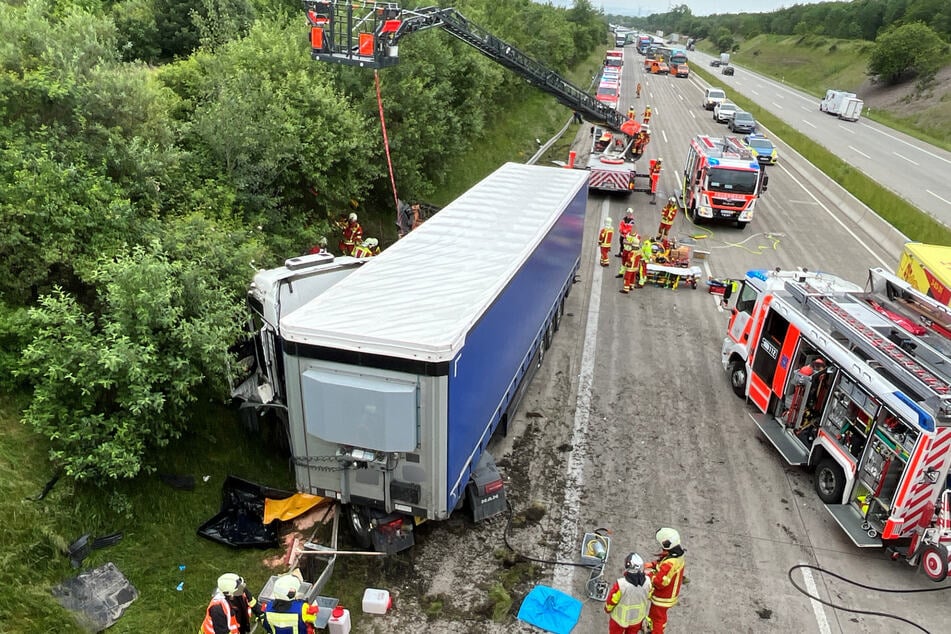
898	212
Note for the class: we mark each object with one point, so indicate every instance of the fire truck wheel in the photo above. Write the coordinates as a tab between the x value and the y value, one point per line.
359	524
934	562
737	372
830	481
741	224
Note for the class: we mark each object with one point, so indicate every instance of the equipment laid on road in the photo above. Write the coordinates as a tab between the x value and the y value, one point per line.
722	180
670	265
367	34
595	548
875	423
392	376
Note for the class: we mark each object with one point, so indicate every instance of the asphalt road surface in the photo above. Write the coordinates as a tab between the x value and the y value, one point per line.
631	425
916	171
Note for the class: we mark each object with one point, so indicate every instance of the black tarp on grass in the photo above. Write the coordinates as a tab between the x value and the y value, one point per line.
240	521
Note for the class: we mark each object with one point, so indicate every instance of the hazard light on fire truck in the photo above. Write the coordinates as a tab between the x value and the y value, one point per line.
722	180
855	384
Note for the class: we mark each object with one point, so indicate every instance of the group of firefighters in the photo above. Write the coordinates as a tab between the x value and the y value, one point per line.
234	610
352	242
636	252
640	598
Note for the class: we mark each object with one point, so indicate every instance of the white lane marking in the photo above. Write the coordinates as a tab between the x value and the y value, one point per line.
944	200
845	129
777	106
692	114
754	92
858	151
807	109
836	218
563	576
664	134
808	124
904	157
911	145
817	610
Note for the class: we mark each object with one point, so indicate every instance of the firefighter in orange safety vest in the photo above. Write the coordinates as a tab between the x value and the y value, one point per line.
604	241
232	609
352	235
646	115
667	575
627	600
667	216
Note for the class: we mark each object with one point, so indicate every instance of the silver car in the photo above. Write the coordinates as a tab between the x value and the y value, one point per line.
724	111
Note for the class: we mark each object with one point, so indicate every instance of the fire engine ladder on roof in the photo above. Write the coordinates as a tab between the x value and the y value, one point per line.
367	34
898	360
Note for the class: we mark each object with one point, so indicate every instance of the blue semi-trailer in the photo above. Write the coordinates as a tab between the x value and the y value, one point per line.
396	376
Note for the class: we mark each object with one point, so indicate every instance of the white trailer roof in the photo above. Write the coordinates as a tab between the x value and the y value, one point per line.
419	297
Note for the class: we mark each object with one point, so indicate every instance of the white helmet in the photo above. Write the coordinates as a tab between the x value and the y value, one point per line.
352	217
660	160
230	584
633	563
371	243
286	587
629	212
607	222
667	538
672	199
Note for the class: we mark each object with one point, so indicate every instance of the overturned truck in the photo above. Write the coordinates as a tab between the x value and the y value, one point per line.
393	375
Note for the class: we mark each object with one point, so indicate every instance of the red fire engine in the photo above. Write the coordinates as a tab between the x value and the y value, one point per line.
722	180
873	417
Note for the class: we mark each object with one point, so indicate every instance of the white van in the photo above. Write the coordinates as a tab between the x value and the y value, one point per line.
713	96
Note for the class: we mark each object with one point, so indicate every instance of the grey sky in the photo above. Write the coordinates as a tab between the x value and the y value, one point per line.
698	7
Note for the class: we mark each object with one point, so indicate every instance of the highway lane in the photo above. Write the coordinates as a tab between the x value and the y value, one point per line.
671	445
914	170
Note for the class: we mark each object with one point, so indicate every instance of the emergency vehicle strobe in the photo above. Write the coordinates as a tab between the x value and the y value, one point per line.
722	180
875	423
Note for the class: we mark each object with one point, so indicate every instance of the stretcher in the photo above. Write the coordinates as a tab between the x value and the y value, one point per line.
671	268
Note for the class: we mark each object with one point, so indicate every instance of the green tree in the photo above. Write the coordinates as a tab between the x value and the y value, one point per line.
112	385
907	49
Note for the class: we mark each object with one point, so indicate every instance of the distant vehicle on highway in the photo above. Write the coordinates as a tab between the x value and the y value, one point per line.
742	122
724	111
714	62
762	148
727	70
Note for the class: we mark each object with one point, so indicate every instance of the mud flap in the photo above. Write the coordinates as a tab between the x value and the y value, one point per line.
486	490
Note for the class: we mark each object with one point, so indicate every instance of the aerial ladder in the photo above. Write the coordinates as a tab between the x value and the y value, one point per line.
367	34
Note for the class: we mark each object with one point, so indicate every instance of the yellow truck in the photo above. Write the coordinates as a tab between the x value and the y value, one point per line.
928	268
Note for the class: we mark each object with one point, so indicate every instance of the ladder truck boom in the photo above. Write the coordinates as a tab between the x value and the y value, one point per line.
367	34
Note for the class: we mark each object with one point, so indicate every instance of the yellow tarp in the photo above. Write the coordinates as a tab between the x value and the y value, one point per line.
289	508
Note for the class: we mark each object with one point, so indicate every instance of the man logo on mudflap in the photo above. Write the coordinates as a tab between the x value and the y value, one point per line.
489	499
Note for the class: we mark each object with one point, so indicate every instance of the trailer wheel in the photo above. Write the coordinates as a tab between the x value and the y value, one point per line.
359	524
830	482
738	377
559	313
934	562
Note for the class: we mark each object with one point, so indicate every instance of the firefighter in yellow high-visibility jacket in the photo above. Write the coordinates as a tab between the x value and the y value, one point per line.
627	601
604	241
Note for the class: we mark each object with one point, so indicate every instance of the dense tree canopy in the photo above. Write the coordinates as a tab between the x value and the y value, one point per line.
152	152
909	48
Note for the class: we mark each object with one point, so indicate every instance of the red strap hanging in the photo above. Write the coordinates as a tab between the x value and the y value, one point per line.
386	141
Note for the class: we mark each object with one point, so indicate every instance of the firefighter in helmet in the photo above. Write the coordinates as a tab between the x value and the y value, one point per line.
352	235
232	609
667	216
367	249
288	612
630	261
646	115
654	174
624	228
605	237
627	601
666	574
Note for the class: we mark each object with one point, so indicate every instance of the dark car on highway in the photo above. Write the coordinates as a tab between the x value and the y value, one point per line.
714	62
727	70
742	122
